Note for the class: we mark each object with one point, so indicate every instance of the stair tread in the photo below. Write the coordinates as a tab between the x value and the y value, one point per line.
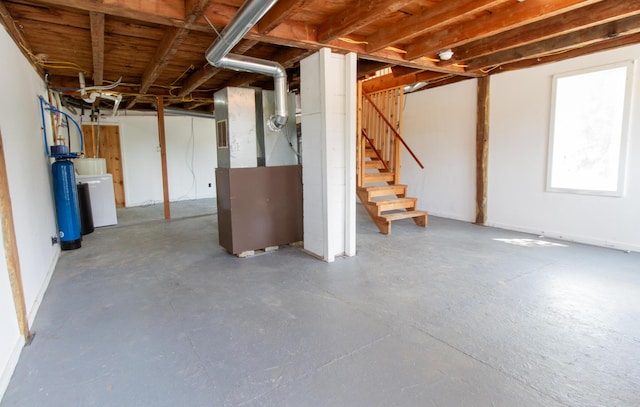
403	215
384	187
383	176
393	201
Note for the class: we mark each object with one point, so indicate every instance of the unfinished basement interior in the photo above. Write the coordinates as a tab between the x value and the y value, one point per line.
320	203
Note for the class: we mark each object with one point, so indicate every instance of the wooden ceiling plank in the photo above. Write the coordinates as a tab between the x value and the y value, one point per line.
605	45
164	13
167	49
390	81
400	71
194	10
243	79
197	78
445	13
279	13
520	14
366	67
18	38
173	38
244	46
626	26
195	105
562	24
97	46
358	15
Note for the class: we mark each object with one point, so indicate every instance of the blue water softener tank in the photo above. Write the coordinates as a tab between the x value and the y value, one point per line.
67	207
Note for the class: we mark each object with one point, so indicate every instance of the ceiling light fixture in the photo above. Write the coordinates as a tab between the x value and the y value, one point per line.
445	55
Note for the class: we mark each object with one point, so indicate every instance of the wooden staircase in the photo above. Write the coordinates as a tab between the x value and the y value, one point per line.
378	161
387	203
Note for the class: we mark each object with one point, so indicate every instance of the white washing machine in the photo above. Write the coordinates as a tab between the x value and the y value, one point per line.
103	200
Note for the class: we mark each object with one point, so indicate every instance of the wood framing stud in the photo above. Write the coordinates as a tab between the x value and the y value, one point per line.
11	248
482	149
163	158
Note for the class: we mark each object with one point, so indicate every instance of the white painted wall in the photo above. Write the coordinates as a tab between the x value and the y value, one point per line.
328	102
520	111
439	125
191	157
28	174
10	340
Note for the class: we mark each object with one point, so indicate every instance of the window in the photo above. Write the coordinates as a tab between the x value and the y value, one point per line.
589	123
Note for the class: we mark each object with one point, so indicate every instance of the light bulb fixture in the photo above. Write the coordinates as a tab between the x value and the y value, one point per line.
445	55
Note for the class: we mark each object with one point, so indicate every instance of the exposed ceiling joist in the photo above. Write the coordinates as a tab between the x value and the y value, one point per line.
279	13
604	32
581	19
516	15
446	12
155	45
363	13
97	46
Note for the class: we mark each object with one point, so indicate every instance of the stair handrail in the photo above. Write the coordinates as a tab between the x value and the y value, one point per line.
375	150
398	136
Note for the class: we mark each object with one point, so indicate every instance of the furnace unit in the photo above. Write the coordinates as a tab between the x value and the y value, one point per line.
258	179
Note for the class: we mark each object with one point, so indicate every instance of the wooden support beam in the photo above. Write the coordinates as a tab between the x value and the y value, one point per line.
360	14
584	18
11	248
604	32
519	14
18	38
445	13
97	46
391	81
243	79
482	149
172	39
163	158
612	43
278	13
198	78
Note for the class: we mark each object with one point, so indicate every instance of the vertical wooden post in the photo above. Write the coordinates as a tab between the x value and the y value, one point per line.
11	249
359	138
398	108
163	158
482	149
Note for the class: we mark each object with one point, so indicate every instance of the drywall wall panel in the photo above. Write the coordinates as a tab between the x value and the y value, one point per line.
519	135
191	157
141	165
10	340
439	125
328	147
28	172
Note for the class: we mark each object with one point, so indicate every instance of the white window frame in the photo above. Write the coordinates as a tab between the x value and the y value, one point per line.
619	192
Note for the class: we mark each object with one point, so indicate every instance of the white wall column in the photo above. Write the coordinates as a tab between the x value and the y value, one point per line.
328	102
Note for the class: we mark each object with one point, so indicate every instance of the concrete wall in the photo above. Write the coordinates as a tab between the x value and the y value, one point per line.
440	125
31	195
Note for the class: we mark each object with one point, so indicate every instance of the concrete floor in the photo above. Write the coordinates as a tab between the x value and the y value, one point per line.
157	314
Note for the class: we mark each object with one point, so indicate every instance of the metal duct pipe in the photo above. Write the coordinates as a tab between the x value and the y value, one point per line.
218	55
